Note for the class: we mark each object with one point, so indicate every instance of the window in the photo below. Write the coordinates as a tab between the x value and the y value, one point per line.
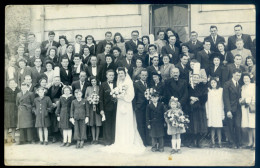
173	16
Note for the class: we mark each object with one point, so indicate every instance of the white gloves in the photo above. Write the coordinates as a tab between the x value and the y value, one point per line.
72	120
58	118
86	120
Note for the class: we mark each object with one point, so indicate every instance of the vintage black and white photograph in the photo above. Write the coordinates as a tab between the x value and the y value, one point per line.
130	85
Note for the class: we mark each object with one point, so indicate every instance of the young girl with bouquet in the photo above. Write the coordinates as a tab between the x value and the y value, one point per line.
176	123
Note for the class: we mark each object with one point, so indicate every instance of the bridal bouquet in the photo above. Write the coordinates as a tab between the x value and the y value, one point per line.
176	118
118	91
93	99
148	93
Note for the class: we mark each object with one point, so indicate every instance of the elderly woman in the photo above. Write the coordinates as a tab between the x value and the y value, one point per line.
166	68
250	67
198	95
63	45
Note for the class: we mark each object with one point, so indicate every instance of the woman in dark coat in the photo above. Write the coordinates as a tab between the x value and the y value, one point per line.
85	57
24	101
198	97
108	65
157	84
63	115
10	109
42	107
94	115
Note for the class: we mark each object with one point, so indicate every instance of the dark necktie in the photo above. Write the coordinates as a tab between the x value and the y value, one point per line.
145	84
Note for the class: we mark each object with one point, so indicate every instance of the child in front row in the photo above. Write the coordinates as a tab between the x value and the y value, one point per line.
174	127
42	107
155	122
63	115
79	116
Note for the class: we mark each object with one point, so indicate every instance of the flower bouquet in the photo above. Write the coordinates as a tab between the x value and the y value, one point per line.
93	99
148	93
176	118
118	91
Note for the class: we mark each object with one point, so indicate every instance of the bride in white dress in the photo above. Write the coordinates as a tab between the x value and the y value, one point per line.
127	138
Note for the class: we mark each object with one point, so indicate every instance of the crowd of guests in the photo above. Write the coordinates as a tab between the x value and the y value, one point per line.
48	85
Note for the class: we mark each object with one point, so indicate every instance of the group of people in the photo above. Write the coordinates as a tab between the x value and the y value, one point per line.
61	89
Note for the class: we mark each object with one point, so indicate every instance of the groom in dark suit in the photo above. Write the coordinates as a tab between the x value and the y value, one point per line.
108	107
140	103
232	108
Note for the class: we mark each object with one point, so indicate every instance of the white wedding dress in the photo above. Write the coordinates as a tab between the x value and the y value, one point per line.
127	137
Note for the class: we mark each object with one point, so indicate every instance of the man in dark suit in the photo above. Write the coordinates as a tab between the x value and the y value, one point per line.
140	103
176	87
37	71
93	69
127	61
65	72
22	42
48	43
171	50
101	45
133	43
141	54
183	67
68	55
101	58
248	44
214	38
204	56
194	44
154	68
231	68
232	108
77	46
81	84
108	107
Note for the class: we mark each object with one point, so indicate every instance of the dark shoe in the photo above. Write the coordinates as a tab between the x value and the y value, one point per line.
212	146
41	142
46	143
13	141
63	144
68	145
161	150
92	142
178	151
54	140
29	142
173	151
96	142
78	144
233	146
19	143
153	150
81	144
220	146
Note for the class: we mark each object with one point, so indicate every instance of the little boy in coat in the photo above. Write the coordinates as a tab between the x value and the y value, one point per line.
79	116
155	122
